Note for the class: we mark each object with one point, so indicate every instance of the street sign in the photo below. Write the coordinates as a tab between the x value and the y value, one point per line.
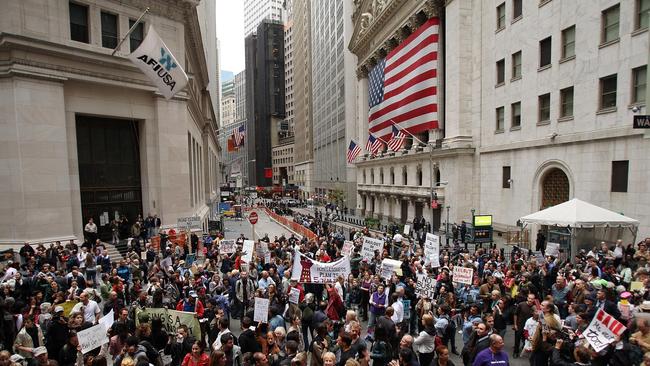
252	218
193	222
641	122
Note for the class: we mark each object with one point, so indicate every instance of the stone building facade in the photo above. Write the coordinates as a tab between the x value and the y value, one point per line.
536	101
86	134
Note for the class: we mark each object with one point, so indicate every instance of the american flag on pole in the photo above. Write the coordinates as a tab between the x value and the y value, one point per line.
397	139
353	151
373	145
403	86
239	135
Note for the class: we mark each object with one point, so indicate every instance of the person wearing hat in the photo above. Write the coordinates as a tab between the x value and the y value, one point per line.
625	307
41	356
191	304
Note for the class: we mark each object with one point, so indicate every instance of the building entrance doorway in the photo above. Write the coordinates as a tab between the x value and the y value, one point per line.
109	173
555	188
404	211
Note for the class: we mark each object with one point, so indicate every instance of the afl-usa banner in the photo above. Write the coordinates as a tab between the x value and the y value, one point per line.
307	270
157	62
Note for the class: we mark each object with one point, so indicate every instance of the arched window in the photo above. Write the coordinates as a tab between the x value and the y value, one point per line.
404	176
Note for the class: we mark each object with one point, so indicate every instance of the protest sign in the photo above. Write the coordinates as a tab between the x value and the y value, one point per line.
602	330
636	285
463	275
552	249
369	247
91	338
248	248
166	263
425	286
107	320
348	246
172	319
407	229
261	313
389	266
539	258
307	270
432	250
189	260
227	246
67	306
294	296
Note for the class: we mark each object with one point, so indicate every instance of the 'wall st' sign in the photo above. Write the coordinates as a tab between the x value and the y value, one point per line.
642	121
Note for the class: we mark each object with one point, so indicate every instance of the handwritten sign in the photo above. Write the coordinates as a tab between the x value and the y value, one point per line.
552	249
294	296
602	330
248	248
432	250
390	266
369	247
261	313
107	320
539	258
227	246
166	263
172	319
348	246
463	275
425	286
407	229
91	338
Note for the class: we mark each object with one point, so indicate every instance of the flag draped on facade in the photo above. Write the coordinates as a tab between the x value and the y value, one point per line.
157	62
373	145
403	86
238	134
397	139
353	151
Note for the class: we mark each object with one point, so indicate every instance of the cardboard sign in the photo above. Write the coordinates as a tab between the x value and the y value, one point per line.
390	266
636	285
166	263
107	320
91	338
425	286
172	319
348	246
539	258
432	250
369	247
602	330
307	270
552	249
407	229
261	313
227	246
248	249
294	296
463	275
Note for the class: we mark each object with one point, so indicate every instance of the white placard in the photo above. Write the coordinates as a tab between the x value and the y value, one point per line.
227	246
539	257
193	222
91	338
369	247
294	295
261	313
107	320
432	250
552	249
463	275
389	266
348	246
602	330
407	229
166	263
248	248
425	286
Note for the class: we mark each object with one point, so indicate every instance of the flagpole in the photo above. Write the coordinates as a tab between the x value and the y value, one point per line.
130	30
410	134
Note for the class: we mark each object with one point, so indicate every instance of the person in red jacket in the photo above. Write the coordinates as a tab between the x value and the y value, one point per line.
296	285
334	304
191	304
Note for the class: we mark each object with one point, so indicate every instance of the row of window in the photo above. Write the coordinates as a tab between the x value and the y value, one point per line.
609	18
619	178
80	27
607	100
419	180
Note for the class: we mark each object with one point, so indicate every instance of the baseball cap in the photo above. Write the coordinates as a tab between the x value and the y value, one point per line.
40	351
58	309
193	294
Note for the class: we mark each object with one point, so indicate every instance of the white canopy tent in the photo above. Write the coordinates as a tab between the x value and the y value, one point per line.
587	223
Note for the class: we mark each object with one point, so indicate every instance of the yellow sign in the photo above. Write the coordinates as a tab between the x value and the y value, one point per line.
67	306
636	285
483	220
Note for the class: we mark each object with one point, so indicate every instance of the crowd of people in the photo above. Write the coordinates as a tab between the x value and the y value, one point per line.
361	319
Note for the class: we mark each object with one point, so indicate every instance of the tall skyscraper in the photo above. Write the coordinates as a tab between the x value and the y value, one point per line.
334	100
228	103
301	88
256	11
240	96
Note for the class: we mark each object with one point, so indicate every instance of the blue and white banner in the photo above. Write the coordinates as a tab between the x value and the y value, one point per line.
157	62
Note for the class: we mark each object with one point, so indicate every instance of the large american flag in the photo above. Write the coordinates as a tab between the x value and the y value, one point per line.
403	86
397	139
353	151
239	133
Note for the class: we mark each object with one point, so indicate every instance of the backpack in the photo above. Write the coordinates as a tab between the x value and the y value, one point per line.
152	354
450	330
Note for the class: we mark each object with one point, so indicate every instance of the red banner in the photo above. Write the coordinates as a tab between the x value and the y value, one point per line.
268	172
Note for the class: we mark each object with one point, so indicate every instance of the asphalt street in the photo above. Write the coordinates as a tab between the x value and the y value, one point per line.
234	227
